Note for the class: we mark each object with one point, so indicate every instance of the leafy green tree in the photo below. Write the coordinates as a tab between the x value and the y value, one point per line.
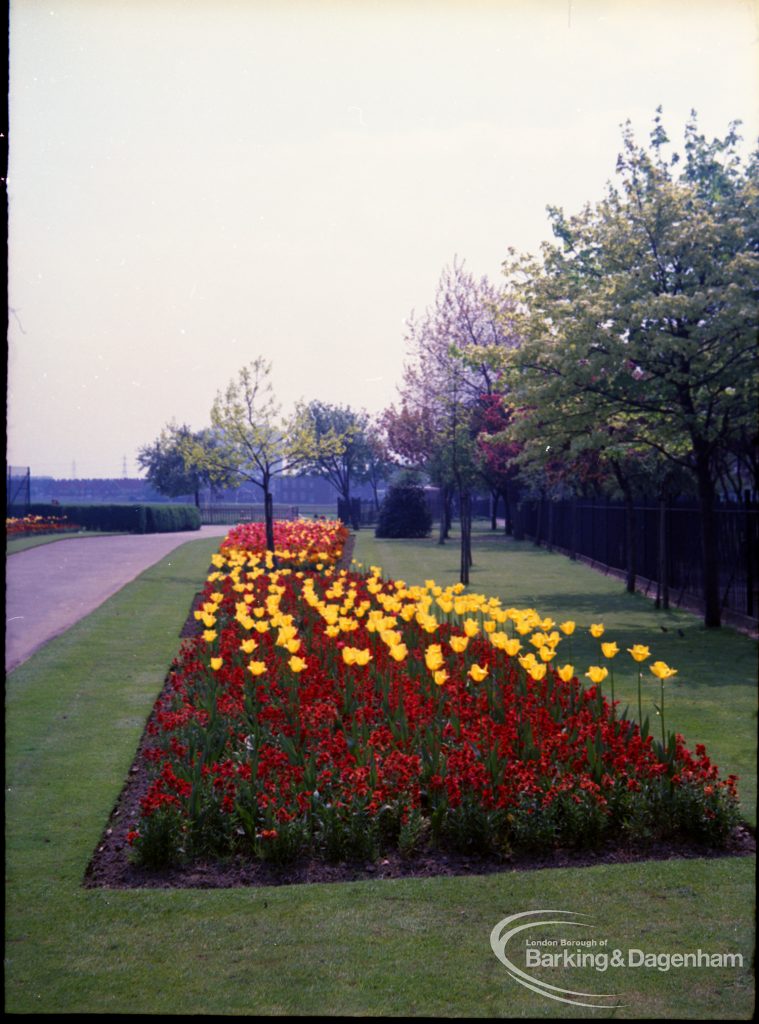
166	467
644	313
250	438
340	450
379	464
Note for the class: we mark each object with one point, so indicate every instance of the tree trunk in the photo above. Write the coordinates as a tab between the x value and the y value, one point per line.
706	500
494	510
448	513
539	523
442	534
465	509
519	521
269	517
508	521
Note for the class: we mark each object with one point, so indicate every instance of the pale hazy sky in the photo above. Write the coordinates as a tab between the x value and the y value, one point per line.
193	184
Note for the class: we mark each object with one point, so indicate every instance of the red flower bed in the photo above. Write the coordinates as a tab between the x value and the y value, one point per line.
302	542
33	525
329	713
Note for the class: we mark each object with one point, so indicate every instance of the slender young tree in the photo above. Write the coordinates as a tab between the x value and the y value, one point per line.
251	439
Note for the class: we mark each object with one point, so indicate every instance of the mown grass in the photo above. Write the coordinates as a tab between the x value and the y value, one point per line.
15	544
417	947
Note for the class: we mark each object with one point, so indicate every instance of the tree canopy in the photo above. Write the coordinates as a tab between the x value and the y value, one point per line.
641	320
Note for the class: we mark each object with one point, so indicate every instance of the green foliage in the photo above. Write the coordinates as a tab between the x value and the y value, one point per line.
249	439
160	842
171	518
340	452
167	466
640	322
404	513
126	518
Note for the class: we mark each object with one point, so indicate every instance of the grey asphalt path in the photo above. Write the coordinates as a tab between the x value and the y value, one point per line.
50	587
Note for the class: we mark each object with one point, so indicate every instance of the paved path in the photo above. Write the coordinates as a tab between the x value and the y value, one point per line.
50	587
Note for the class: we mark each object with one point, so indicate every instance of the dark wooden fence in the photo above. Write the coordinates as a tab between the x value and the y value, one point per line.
666	542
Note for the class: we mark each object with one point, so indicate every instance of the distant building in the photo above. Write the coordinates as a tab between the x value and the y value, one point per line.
306	489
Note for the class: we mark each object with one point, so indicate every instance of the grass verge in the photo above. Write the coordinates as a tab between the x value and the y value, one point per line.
75	712
15	544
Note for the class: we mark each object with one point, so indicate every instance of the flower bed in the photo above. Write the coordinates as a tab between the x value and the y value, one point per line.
33	525
334	713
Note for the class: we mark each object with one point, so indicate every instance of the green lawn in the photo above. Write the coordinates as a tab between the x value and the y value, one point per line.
74	715
15	544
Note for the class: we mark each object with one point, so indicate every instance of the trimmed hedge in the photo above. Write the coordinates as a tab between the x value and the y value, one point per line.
135	518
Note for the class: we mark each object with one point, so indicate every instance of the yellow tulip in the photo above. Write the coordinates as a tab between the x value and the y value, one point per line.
391	637
248	646
293	646
610	649
209	635
459	643
471	628
398	652
567	627
512	647
257	667
662	671
537	672
597	674
639	652
440	677
478	673
216	663
433	657
597	630
546	653
297	664
565	673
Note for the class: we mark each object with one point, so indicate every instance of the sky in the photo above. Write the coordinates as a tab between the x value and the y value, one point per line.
195	184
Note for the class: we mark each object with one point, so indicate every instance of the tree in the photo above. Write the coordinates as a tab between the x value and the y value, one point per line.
339	452
378	465
251	440
166	467
441	387
644	313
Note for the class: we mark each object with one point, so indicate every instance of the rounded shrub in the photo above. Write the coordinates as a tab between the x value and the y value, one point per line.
404	512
